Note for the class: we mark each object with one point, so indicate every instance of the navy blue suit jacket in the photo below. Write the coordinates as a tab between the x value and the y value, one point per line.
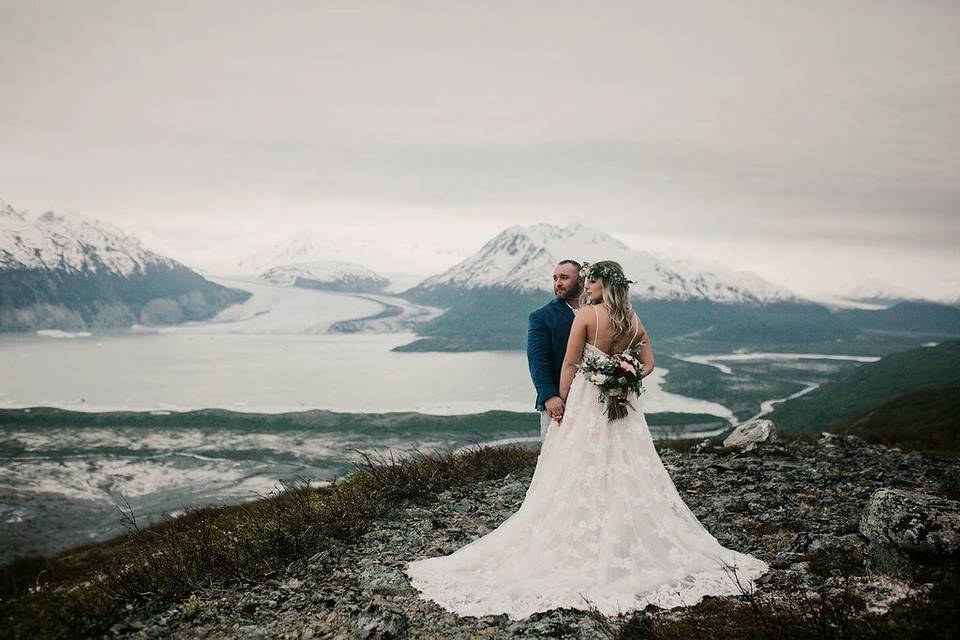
548	329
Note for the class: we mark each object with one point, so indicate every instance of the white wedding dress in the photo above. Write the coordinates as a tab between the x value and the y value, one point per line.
601	521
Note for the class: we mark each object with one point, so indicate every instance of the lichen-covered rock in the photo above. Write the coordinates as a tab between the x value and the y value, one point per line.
796	504
749	434
912	522
377	623
384	580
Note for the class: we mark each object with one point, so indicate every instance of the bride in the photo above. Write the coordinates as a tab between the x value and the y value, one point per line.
602	523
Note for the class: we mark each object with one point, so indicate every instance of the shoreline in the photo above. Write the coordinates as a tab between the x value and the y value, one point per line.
51	416
165	462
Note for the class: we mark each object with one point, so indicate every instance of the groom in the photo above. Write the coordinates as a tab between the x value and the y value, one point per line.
547	331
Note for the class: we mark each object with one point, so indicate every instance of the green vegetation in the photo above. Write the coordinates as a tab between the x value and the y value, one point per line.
495	318
924	420
491	319
407	424
81	592
318	420
857	391
742	392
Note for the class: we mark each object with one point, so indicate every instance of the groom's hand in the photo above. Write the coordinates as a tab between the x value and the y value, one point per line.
555	406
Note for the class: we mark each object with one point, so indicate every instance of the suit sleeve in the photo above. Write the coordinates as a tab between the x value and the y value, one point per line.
538	357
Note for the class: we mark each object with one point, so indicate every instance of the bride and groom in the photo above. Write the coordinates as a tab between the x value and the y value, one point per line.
602	523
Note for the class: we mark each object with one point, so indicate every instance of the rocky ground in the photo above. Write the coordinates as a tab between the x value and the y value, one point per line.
792	504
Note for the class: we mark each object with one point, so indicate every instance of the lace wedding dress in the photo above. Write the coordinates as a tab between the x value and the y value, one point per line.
601	522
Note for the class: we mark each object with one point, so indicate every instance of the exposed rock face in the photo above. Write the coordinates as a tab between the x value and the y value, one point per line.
749	434
796	505
913	522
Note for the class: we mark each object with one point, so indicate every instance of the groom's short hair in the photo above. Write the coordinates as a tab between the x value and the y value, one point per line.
576	265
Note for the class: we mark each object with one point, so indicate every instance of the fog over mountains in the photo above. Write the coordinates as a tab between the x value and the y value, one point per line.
75	273
401	261
328	275
522	258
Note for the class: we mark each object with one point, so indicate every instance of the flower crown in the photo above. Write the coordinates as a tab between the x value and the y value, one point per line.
606	273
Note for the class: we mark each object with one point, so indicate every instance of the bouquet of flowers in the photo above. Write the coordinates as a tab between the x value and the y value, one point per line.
616	377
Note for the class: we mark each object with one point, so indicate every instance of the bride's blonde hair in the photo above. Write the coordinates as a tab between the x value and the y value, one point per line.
616	293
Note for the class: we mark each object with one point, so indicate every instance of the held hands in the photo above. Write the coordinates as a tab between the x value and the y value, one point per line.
555	407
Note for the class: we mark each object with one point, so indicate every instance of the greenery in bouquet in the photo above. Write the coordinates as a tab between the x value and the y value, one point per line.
616	378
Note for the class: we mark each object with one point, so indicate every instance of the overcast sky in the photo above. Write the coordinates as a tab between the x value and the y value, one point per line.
814	143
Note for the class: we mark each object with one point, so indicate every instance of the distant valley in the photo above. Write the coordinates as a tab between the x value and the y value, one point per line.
74	274
686	306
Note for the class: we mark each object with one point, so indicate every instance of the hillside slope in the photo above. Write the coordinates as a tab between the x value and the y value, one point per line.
871	385
924	420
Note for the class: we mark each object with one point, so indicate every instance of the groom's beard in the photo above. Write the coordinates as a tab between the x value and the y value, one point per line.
565	294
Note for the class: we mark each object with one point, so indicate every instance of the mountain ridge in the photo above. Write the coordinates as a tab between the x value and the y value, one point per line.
870	385
74	243
311	244
329	275
523	258
75	273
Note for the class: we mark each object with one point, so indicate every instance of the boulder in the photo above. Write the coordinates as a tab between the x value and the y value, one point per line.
828	439
899	523
749	434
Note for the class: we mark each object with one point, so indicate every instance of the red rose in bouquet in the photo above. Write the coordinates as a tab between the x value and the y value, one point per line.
616	378
625	367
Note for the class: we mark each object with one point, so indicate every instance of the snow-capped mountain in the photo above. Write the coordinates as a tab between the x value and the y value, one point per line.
74	272
72	243
327	274
873	290
523	259
315	245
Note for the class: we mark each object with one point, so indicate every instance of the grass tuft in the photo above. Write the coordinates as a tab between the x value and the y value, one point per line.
82	592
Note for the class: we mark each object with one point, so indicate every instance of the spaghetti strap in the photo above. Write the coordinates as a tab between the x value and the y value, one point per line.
636	329
596	334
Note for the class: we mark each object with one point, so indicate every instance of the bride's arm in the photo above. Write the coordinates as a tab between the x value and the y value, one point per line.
578	336
645	352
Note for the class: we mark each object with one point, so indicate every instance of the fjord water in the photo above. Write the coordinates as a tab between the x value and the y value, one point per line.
272	354
61	485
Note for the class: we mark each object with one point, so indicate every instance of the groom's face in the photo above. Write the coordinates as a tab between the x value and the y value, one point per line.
565	281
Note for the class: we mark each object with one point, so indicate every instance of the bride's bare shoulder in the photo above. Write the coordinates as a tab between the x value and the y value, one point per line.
641	330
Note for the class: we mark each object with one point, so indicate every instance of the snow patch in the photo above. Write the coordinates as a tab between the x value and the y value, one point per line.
57	333
325	271
316	244
73	243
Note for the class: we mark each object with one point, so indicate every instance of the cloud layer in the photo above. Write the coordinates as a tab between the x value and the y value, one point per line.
802	140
